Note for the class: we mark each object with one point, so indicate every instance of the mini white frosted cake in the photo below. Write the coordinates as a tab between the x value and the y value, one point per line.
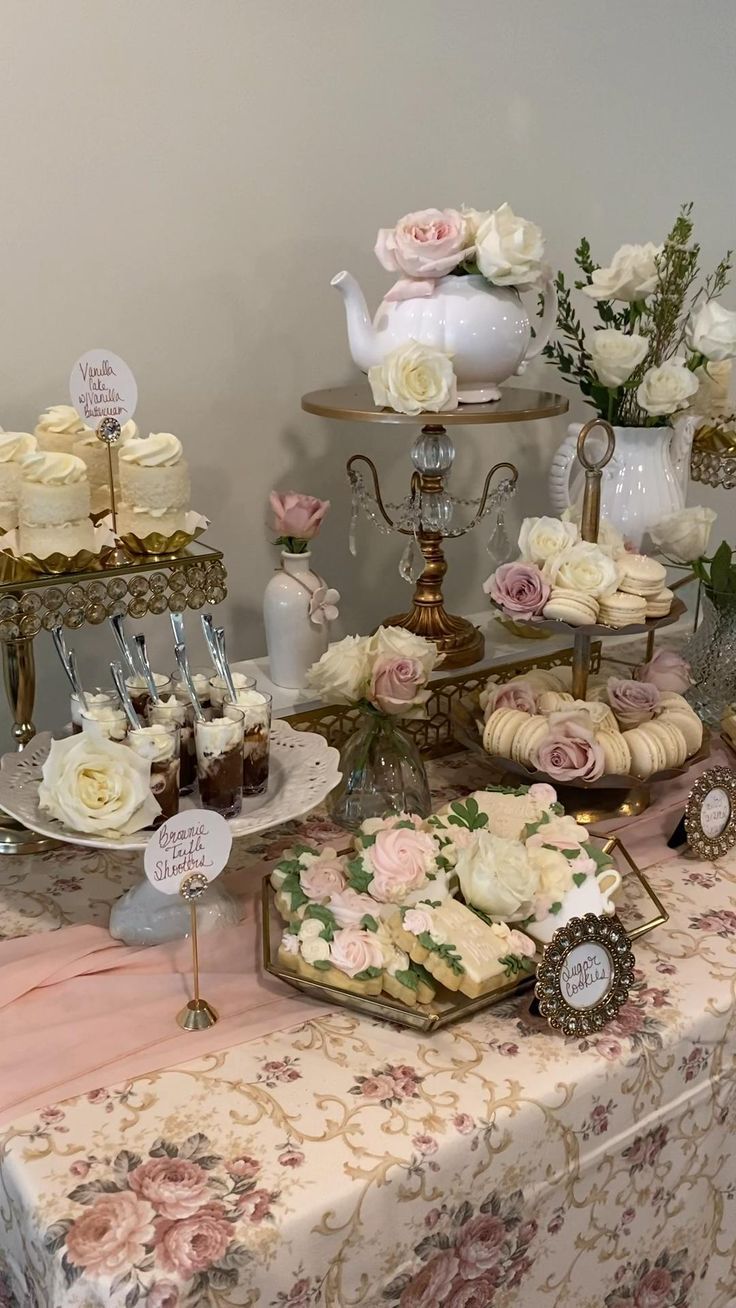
53	505
58	428
93	452
141	523
14	445
154	476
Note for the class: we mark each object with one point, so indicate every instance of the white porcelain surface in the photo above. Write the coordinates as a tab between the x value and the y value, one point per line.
304	769
293	642
595	895
485	328
645	480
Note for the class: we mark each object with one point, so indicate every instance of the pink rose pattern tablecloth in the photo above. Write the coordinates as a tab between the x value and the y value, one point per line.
348	1162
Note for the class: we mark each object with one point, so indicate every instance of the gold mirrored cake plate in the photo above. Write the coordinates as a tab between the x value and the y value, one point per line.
157	546
637	905
555	625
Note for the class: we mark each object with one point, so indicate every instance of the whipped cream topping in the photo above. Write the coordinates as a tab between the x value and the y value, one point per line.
218	736
159	450
139	682
128	430
201	683
53	469
99	709
61	419
170	709
15	445
252	704
240	681
155	742
89	438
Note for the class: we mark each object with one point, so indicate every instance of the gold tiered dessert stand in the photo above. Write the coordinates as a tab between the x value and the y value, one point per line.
433	454
192	579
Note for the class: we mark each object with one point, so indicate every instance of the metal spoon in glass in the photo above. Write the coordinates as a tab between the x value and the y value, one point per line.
117	624
182	659
119	679
140	644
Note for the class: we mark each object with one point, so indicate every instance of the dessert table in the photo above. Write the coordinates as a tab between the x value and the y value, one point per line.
348	1162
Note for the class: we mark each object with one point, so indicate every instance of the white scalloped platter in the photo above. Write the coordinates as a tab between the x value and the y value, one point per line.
304	769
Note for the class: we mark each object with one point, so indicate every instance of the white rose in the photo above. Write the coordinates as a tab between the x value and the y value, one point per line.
684	536
509	250
414	378
315	950
609	540
540	538
495	875
585	567
631	276
714	384
615	355
552	869
666	389
97	786
341	676
398	643
712	331
290	943
474	218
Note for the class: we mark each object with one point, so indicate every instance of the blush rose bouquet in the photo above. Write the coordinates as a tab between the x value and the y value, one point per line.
297	519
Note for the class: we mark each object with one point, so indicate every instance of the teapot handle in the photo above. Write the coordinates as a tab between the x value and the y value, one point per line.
546	323
563	461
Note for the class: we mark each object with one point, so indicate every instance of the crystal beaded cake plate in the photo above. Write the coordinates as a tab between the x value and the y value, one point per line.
304	769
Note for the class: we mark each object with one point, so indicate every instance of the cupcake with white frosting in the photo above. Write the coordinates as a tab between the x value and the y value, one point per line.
154	485
58	428
54	505
14	446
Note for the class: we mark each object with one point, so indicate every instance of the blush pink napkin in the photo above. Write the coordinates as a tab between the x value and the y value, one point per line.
79	1010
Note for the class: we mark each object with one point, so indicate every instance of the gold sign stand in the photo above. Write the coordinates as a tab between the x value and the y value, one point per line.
109	433
197	1015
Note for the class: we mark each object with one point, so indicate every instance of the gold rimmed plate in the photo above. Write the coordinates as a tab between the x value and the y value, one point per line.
538	625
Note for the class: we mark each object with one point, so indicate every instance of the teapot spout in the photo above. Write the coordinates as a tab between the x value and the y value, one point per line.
361	332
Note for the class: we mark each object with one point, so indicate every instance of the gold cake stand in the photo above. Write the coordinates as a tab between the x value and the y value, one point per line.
433	454
191	579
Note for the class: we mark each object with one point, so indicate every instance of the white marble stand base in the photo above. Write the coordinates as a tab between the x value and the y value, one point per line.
144	916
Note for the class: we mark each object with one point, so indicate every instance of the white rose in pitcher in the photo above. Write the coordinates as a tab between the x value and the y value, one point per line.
341	676
615	355
631	275
712	331
684	536
666	389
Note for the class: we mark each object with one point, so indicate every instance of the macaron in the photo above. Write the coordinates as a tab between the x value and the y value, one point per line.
616	753
688	723
501	729
552	700
673	741
669	699
621	610
571	606
540	678
600	713
640	575
528	738
659	605
647	752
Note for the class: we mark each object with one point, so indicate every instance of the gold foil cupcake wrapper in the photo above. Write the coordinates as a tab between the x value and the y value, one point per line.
157	544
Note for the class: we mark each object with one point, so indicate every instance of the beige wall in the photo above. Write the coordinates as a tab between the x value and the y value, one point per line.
181	178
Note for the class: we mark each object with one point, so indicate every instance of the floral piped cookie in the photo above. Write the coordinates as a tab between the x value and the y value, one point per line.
458	949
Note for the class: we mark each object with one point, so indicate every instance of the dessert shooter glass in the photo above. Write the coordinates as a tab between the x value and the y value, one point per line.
255	705
201	678
220	763
159	742
141	696
218	690
107	720
177	713
96	698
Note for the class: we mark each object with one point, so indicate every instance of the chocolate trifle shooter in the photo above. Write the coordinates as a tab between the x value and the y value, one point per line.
256	709
181	715
220	763
159	742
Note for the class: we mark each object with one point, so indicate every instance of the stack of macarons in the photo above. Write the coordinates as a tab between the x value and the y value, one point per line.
641	594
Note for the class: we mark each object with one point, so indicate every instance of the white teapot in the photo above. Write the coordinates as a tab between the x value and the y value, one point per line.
485	328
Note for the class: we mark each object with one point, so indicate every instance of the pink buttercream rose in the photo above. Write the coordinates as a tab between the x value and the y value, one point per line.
417	921
349	908
175	1187
570	753
353	950
322	878
111	1235
519	589
633	702
194	1244
518	695
543	794
400	861
297	516
520	945
666	670
397	684
163	1294
422	246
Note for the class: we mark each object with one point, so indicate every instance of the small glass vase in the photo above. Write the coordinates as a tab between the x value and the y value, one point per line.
382	773
711	653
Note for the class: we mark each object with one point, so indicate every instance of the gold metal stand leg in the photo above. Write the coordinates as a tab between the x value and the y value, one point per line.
19	675
580	666
460	641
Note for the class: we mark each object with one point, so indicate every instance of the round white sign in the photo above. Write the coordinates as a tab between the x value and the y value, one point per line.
101	385
586	975
715	812
195	840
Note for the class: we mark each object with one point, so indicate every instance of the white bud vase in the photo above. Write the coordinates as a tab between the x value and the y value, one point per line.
293	642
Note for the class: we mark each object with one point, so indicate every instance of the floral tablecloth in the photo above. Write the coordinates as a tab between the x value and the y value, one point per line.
347	1162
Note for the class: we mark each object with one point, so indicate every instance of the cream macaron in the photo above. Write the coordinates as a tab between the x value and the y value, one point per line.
541	679
659	605
528	738
616	753
622	610
640	575
673	741
688	723
647	751
571	606
669	699
501	729
550	701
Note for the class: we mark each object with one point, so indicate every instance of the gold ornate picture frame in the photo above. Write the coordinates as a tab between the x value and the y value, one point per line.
710	815
585	974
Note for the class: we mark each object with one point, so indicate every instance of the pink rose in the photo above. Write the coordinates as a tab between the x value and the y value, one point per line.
349	908
433	1284
291	1158
243	1168
400	861
112	1234
480	1244
520	945
297	516
426	1144
175	1187
194	1244
518	695
654	1289
381	1087
353	950
163	1294
423	246
474	1294
323	877
519	589
543	794
463	1123
396	684
633	702
570	753
80	1168
256	1205
667	671
417	920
